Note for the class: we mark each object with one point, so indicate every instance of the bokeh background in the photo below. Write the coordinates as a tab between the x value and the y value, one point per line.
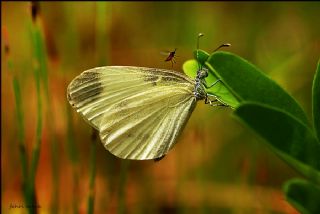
217	166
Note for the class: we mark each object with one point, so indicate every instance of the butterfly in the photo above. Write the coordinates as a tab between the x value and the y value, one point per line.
139	112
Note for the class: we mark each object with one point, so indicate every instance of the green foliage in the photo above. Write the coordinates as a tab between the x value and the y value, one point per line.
271	112
201	56
248	83
93	151
316	101
190	68
38	72
21	135
303	195
290	139
124	167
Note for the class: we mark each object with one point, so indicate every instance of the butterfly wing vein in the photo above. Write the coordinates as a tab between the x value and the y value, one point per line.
139	112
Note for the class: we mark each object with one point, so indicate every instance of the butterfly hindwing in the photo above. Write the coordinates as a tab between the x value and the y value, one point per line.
138	111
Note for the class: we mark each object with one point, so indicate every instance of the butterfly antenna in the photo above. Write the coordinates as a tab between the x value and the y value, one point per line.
199	35
223	45
198	39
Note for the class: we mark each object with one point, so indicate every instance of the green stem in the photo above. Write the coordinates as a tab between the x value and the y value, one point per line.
101	32
100	43
41	73
37	48
92	173
20	120
73	157
36	148
123	180
21	135
51	134
75	190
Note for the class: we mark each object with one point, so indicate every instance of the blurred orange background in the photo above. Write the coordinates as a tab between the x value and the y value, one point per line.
217	166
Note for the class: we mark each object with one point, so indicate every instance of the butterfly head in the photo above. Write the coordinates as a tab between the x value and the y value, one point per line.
202	73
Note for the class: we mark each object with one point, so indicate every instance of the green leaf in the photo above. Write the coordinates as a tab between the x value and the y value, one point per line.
291	139
191	67
201	56
248	83
303	195
316	101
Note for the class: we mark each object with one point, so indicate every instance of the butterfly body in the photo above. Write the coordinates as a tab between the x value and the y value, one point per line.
199	87
139	112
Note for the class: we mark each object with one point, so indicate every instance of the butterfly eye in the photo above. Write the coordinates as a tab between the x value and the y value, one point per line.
206	73
203	73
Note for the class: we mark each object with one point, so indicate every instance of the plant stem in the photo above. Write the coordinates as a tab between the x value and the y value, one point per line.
39	68
92	172
19	114
122	184
21	136
36	148
20	122
73	157
100	43
101	32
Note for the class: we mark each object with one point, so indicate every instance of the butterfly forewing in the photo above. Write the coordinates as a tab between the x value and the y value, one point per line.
138	111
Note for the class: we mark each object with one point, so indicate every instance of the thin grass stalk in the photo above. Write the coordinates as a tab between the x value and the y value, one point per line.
101	17
101	33
51	135
73	157
20	118
71	148
20	122
75	177
37	48
122	186
92	172
41	55
51	121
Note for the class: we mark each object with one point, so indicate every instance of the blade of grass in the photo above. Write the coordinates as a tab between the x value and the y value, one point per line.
72	45
92	172
40	67
122	186
19	115
316	101
73	157
101	36
20	122
36	147
41	57
101	32
51	121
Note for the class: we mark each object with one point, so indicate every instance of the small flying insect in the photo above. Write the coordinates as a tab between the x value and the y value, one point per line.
139	112
171	57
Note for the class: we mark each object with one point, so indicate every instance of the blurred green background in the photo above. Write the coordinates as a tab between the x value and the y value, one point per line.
217	166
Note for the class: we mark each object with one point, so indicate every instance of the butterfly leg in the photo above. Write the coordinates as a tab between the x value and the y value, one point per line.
208	101
213	102
213	84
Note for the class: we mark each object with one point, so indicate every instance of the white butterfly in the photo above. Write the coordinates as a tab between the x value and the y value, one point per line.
139	112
